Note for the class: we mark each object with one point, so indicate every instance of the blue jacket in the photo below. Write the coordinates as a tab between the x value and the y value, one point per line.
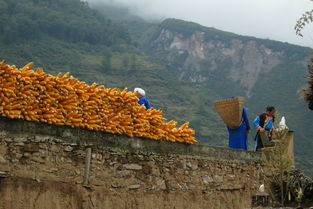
144	101
268	126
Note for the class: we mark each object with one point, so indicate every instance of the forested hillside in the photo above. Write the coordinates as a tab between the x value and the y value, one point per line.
182	66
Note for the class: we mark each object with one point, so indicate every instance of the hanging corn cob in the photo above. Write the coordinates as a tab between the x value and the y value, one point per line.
64	100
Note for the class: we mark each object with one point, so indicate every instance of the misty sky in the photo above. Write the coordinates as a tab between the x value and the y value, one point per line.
273	19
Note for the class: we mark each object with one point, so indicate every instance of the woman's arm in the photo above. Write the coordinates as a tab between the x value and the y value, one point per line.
141	101
256	124
148	105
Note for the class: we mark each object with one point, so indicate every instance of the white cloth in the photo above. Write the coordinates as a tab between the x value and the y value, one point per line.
261	188
282	124
140	91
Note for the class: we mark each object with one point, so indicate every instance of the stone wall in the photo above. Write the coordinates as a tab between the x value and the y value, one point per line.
42	166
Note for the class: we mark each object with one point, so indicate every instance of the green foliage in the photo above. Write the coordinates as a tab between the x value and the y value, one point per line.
306	18
308	91
70	20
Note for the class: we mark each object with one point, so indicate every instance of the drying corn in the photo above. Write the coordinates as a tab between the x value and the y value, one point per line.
64	100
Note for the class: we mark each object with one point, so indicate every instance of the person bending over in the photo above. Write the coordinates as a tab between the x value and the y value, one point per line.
264	122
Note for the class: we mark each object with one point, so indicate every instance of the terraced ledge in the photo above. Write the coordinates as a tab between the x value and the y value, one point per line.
40	132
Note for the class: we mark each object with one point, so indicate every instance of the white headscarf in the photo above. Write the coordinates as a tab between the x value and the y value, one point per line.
140	91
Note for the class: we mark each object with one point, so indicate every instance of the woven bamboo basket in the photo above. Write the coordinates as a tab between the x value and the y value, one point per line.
230	110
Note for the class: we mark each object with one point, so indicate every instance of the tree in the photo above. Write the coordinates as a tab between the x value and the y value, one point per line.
308	91
307	18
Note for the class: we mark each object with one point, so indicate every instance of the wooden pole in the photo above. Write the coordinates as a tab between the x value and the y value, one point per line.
87	165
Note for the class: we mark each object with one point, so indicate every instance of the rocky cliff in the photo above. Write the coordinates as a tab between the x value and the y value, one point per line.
201	55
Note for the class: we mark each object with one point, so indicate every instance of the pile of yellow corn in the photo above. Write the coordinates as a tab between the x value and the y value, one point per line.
63	100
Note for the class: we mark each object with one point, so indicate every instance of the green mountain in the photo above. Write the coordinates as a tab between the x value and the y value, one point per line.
183	66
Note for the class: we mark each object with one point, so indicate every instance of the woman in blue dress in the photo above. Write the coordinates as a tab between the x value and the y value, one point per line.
238	138
264	122
140	93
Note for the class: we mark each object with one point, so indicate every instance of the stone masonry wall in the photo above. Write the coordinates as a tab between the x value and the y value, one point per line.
42	166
